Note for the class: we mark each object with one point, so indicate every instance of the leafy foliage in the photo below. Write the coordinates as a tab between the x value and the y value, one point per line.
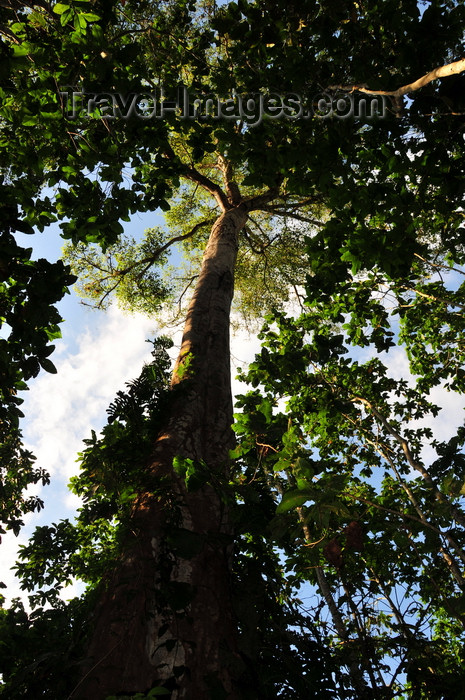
48	642
370	520
28	290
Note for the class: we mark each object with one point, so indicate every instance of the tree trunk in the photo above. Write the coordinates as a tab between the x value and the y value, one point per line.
166	615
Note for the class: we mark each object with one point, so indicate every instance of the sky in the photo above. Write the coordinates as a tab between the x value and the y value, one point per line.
98	353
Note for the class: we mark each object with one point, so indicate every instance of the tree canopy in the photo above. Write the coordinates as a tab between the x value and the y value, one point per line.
348	191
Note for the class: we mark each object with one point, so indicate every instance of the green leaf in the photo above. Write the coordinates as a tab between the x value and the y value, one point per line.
59	8
295	498
20	50
48	365
156	692
67	16
90	16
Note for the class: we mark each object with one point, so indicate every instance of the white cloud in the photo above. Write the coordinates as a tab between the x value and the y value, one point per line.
244	347
445	424
451	416
62	409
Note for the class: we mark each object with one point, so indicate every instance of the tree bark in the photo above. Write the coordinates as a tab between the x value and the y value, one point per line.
165	617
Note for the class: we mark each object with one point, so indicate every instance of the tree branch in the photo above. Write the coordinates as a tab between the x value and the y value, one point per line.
146	262
231	187
247	234
191	173
211	187
440	266
292	215
455	512
189	284
298	205
150	259
440	72
259	201
441	300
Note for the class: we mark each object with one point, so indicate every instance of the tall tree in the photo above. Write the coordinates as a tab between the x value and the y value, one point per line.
388	188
